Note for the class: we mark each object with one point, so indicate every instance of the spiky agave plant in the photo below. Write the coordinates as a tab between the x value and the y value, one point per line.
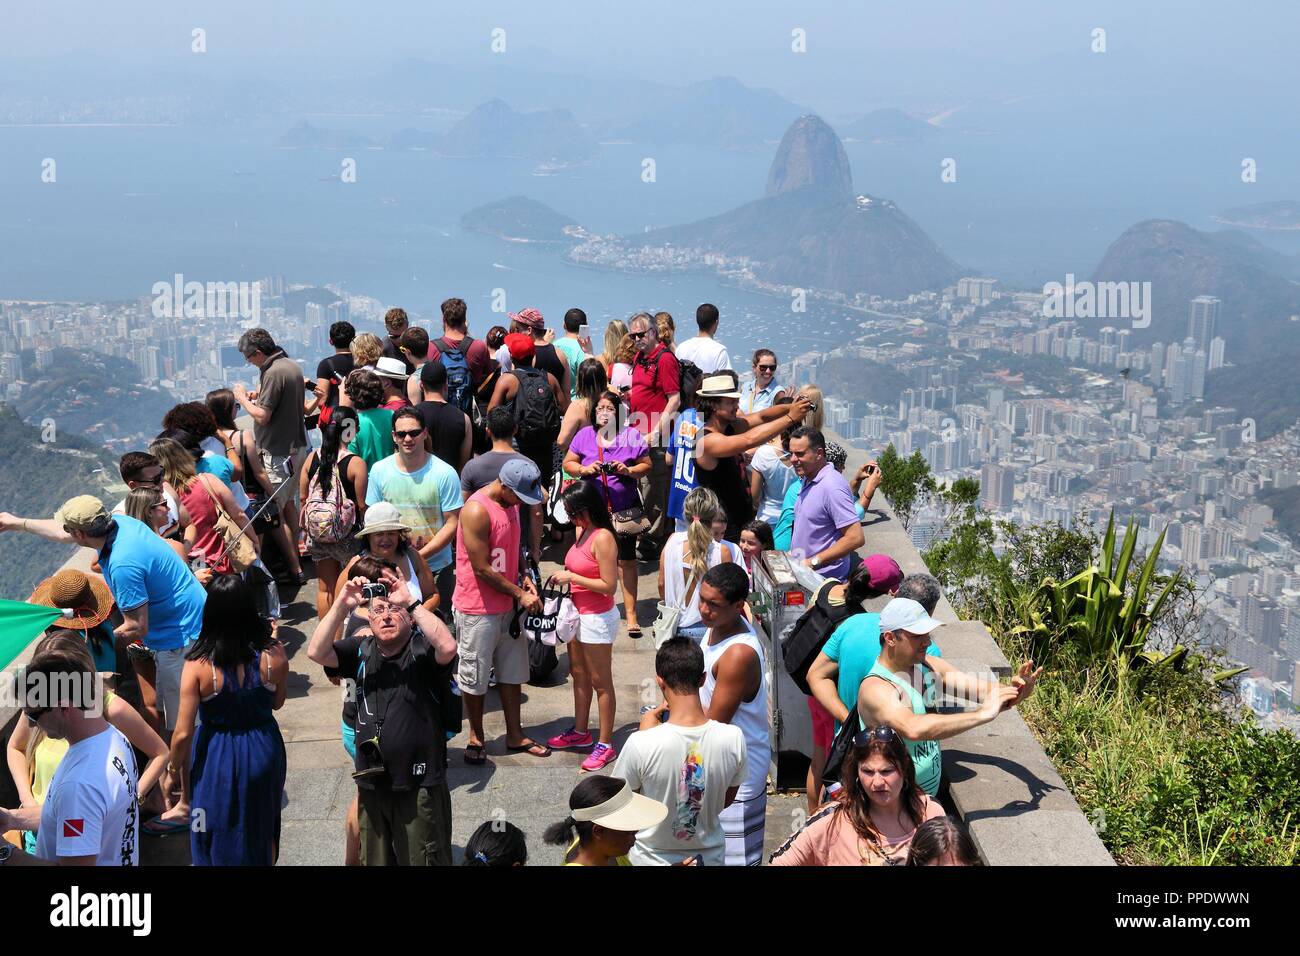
1105	614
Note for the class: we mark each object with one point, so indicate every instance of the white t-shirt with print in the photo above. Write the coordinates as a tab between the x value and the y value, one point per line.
91	808
689	770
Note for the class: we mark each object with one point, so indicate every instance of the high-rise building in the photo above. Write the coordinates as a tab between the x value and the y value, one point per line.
1217	346
11	368
338	312
1177	375
1158	364
997	487
1196	376
1202	318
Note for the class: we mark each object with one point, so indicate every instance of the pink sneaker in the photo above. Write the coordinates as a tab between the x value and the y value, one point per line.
571	739
600	755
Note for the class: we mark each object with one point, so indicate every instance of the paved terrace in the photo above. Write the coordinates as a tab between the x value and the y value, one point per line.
998	778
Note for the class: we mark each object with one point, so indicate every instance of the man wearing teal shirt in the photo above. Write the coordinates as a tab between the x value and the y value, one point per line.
575	350
903	685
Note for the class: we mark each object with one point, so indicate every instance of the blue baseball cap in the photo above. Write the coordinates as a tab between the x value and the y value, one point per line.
523	478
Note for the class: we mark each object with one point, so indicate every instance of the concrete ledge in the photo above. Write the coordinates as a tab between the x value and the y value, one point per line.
970	640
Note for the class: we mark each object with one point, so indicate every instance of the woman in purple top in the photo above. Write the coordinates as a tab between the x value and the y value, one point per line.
616	459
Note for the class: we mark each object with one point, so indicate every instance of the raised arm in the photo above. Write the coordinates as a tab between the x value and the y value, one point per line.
880	702
46	528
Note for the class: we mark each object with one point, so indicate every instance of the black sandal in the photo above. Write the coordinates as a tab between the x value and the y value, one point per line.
475	755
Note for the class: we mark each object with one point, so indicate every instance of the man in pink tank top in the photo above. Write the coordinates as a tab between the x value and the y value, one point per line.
487	590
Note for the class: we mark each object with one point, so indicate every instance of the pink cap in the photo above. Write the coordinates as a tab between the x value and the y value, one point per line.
529	317
883	572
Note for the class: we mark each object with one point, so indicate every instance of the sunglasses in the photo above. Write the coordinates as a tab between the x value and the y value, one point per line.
766	368
36	713
638	335
155	481
409	434
882	733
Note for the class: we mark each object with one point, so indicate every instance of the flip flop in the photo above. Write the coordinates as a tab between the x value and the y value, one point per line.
531	749
157	826
634	633
475	755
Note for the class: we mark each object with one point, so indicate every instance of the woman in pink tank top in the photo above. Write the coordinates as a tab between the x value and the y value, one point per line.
591	571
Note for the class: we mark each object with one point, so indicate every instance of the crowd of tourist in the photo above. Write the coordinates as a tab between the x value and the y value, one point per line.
442	468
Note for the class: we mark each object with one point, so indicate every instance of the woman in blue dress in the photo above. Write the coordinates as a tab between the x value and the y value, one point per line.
234	677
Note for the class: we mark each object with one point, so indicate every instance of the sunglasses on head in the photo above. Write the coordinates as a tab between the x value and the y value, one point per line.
882	733
415	433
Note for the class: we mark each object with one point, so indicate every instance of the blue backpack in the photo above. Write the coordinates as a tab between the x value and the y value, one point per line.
460	390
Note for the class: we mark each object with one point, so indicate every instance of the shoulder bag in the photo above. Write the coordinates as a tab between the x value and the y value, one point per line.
238	546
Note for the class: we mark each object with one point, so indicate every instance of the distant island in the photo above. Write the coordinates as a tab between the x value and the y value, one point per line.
1264	215
520	219
304	135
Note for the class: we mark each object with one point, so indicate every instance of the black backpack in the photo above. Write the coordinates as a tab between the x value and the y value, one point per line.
689	377
536	412
808	635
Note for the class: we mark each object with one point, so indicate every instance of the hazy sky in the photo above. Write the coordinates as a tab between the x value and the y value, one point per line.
859	54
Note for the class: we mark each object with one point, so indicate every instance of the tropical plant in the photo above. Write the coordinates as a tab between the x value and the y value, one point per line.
903	481
1105	612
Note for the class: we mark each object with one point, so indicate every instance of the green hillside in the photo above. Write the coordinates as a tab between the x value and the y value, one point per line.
35	478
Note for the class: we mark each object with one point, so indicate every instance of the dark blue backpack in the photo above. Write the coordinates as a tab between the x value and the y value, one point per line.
460	390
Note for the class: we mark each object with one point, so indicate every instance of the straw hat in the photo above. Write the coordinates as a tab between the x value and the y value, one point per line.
86	596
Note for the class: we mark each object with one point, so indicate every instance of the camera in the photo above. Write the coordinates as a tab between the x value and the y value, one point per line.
373	756
608	467
378	589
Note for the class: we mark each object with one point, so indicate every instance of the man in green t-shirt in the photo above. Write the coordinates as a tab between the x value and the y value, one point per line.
902	689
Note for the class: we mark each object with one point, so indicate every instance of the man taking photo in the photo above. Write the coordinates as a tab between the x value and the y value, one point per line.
401	682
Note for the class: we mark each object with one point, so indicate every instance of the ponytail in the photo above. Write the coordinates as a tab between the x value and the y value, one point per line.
564	832
699	509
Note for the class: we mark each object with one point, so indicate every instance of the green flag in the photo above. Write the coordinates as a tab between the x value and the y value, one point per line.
20	623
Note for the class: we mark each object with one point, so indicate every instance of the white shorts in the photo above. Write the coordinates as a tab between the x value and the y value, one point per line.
599	628
167	683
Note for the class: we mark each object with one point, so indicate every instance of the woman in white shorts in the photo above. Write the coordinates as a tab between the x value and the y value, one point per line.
591	571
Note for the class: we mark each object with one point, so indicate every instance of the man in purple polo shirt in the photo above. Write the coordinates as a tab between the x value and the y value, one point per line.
826	528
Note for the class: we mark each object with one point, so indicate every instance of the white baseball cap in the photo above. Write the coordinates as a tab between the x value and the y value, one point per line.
904	614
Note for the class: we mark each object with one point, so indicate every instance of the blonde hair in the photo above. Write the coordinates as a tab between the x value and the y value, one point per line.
366	349
700	509
177	463
140	502
814	419
614	335
666	328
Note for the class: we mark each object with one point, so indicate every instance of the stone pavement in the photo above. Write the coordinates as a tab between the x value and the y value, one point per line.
528	791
